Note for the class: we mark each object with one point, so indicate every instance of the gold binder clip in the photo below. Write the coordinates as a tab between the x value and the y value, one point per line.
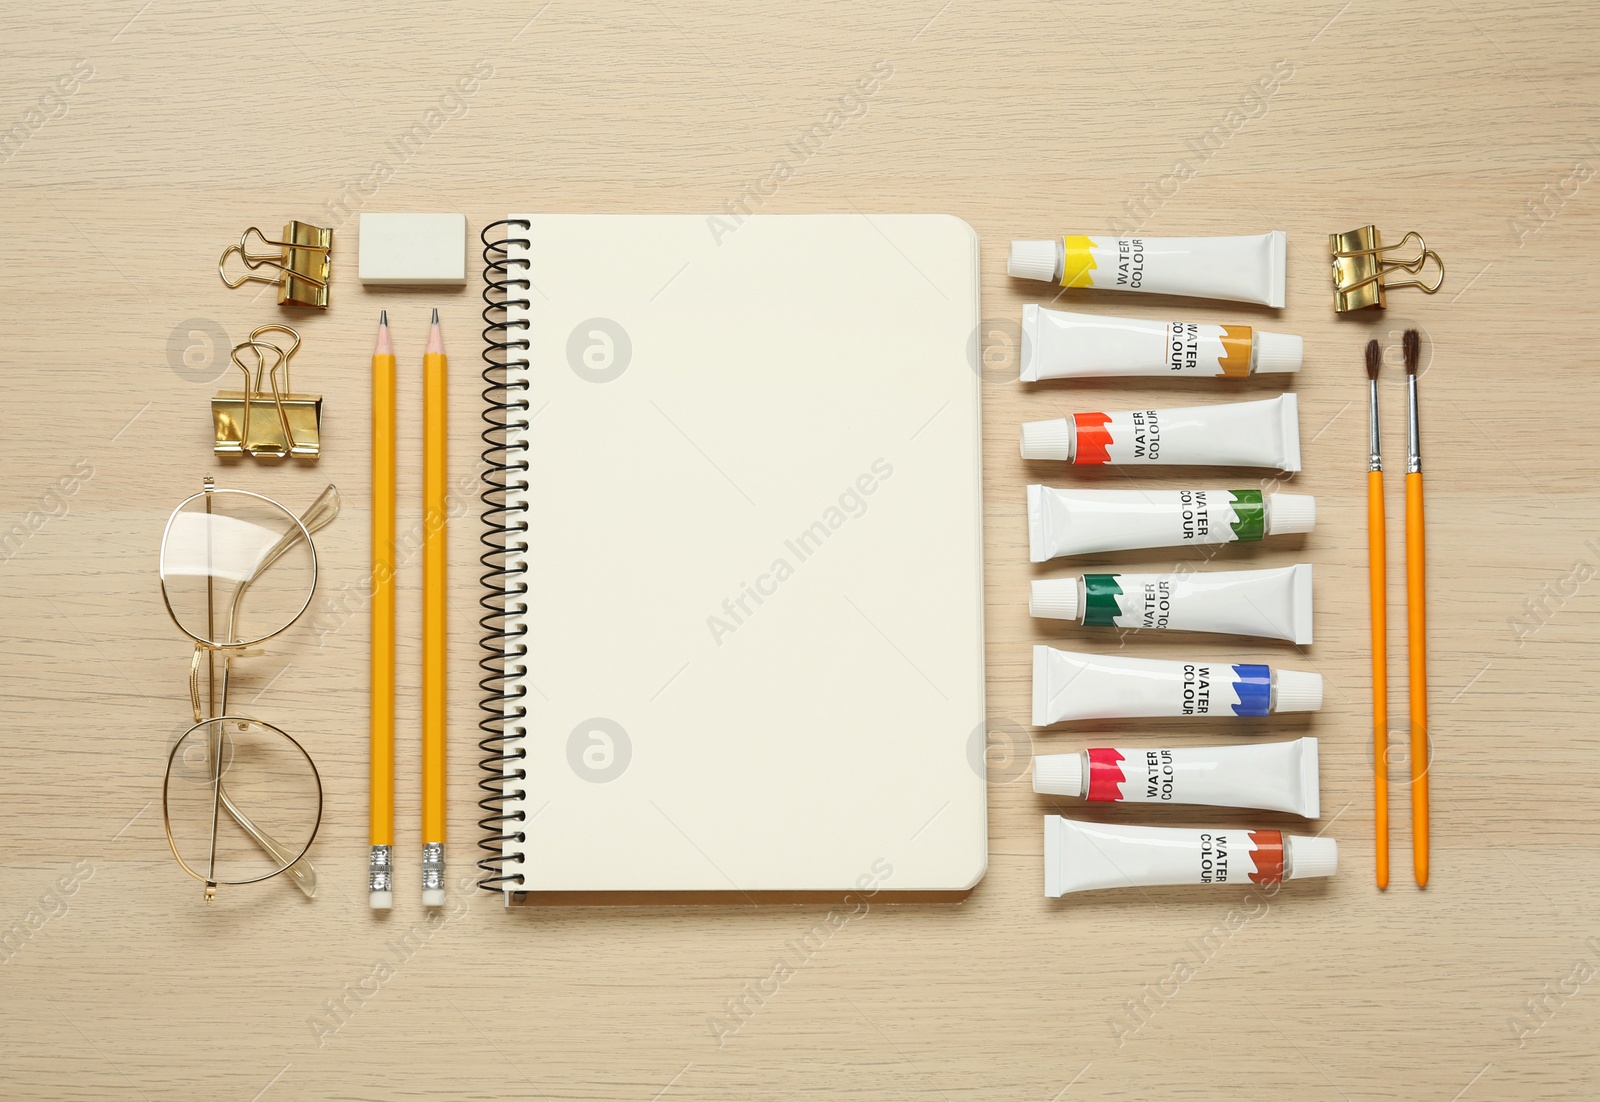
1361	270
266	418
301	261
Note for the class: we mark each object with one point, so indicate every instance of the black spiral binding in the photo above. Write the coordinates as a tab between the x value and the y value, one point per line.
505	468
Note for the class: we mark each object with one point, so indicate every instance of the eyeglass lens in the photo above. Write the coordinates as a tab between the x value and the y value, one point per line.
267	806
235	568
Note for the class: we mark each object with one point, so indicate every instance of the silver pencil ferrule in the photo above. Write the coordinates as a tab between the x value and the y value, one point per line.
433	867
380	870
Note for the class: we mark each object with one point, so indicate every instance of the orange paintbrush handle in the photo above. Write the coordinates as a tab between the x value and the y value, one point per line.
1416	624
1376	540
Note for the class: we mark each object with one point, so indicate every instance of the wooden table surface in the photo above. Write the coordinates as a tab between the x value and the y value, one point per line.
135	142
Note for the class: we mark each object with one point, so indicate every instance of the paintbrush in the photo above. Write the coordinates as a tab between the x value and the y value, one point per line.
1416	617
1376	544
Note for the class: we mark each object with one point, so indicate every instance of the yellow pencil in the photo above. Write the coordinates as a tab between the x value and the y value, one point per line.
435	439
380	884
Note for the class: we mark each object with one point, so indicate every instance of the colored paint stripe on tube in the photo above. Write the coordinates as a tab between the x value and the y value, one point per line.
1265	776
1267	604
1087	522
1057	344
1240	269
1070	686
1232	434
1081	857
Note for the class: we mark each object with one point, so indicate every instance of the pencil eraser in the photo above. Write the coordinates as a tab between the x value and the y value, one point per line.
413	250
380	901
433	897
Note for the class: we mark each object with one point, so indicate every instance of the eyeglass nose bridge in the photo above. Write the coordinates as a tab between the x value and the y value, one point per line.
204	655
194	680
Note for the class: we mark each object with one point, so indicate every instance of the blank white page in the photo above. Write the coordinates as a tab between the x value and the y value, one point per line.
754	619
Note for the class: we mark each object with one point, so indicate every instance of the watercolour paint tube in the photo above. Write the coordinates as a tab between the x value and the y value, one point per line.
1230	434
1083	857
1087	522
1240	269
1264	776
1070	686
1265	604
1058	344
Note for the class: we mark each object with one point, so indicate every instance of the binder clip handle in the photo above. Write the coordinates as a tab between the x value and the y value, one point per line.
1415	266
287	354
250	263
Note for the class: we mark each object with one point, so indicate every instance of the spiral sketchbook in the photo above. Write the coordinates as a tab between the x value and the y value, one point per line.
736	584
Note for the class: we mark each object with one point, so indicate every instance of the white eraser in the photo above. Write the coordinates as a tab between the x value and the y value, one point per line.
380	901
413	250
433	897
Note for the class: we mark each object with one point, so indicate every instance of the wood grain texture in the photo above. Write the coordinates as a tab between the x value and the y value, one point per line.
1473	121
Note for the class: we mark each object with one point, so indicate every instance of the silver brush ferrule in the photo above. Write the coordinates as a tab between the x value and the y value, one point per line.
1413	431
1374	441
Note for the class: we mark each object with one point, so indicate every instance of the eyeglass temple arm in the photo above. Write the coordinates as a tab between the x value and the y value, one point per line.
315	518
303	871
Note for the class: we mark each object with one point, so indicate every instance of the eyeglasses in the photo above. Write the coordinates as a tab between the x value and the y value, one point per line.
242	800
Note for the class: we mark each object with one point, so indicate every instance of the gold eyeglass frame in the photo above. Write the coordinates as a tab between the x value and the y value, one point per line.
206	654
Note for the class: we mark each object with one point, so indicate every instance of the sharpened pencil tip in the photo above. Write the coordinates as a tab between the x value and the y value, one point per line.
435	337
383	318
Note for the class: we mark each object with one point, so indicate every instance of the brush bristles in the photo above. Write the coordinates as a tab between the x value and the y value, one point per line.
1374	359
1412	345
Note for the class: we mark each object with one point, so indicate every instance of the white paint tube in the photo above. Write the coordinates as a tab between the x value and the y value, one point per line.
1069	685
1081	857
1267	604
1087	522
1232	434
1266	776
1061	345
1241	269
